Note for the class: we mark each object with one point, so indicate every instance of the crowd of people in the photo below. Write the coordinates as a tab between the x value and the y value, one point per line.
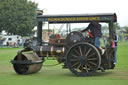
123	38
9	43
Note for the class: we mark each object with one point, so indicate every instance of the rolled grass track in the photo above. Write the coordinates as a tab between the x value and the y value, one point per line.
57	76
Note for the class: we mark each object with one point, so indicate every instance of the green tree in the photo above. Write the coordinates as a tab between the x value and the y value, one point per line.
116	26
126	28
17	16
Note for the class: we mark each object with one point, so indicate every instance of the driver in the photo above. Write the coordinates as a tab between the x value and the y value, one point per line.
94	29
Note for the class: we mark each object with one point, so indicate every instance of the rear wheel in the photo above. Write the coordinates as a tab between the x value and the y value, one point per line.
83	59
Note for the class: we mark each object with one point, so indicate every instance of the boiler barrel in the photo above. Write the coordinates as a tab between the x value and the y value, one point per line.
51	51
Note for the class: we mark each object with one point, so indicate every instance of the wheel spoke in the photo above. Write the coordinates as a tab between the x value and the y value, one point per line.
92	63
86	68
90	66
77	52
82	67
91	54
92	59
84	50
78	66
74	56
88	52
80	51
75	64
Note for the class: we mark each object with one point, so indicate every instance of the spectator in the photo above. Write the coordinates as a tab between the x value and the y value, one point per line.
121	38
104	39
126	38
10	44
1	42
7	44
15	44
115	49
18	43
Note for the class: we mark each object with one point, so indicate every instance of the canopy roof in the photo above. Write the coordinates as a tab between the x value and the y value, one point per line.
78	18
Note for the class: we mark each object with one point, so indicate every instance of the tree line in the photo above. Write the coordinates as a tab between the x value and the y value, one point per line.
117	27
17	17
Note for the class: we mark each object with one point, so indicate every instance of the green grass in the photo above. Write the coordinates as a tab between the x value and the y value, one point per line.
58	76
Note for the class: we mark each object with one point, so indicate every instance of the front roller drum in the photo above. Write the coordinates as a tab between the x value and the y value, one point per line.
83	59
29	63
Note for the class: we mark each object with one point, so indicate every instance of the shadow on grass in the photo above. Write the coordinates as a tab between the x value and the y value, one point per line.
66	73
102	73
96	74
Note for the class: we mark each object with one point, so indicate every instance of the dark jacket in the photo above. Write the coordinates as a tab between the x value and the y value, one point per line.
116	40
95	29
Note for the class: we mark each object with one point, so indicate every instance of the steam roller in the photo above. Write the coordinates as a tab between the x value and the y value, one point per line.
76	51
27	63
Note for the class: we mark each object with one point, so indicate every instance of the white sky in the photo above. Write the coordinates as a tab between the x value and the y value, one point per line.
120	7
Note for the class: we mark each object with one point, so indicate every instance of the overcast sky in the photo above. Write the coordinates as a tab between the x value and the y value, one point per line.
86	6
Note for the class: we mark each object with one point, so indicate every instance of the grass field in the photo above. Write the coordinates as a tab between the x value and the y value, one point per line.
58	76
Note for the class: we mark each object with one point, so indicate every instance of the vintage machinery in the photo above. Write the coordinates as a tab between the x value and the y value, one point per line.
77	52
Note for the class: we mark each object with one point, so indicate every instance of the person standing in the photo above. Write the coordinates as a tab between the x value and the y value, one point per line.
115	49
1	42
7	44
